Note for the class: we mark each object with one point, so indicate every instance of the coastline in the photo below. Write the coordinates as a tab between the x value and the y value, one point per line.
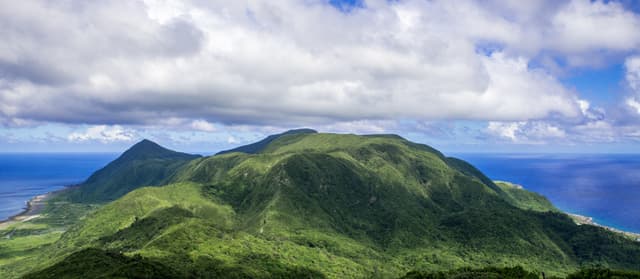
581	219
586	220
34	208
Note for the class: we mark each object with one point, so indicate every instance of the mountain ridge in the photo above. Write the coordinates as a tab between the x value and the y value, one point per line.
336	206
259	145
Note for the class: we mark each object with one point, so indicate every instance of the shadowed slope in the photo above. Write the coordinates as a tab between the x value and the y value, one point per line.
96	263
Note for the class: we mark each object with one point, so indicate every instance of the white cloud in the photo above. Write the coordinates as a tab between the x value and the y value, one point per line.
584	25
103	133
632	66
279	62
597	131
541	130
202	125
632	76
215	65
232	140
505	130
591	113
631	102
526	132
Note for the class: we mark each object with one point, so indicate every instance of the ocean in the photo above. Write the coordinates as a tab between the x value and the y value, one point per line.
23	176
605	187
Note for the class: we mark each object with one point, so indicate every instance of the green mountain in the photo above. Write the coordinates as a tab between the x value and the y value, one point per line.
312	205
145	163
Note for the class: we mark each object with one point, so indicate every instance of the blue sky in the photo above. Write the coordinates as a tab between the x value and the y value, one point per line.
463	76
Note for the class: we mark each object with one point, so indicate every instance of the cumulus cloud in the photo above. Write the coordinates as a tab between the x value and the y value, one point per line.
292	62
505	130
103	133
210	65
575	27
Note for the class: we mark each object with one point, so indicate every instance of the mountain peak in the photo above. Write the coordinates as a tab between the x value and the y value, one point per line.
143	164
146	143
146	148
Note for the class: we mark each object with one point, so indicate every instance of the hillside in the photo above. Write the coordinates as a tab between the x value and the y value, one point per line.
145	163
319	205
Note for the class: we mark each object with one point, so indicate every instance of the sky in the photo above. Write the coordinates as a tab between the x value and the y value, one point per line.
202	76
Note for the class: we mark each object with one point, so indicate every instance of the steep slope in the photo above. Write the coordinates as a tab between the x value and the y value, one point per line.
337	206
145	163
258	146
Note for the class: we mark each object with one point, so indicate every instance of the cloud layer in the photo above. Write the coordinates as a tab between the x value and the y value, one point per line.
282	63
294	61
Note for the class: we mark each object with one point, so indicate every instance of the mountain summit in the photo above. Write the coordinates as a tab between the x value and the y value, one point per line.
146	149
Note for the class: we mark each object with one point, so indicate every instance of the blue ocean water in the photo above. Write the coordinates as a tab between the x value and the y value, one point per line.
23	176
605	187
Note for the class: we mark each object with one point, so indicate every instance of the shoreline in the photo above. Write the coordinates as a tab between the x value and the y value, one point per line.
586	220
34	207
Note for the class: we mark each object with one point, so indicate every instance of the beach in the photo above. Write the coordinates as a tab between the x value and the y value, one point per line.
34	208
24	176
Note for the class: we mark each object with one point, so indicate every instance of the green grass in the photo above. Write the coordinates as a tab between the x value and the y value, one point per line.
20	246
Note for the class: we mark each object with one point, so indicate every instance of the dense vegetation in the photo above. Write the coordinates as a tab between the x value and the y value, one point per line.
318	205
518	197
470	273
96	263
604	273
146	163
519	273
